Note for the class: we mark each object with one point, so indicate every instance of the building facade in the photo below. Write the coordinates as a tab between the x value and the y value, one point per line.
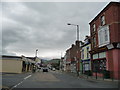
105	41
68	60
73	58
85	56
16	64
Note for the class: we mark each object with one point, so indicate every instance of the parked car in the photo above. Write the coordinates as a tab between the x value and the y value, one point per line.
45	69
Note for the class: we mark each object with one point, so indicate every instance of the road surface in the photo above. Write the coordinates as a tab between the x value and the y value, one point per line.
53	79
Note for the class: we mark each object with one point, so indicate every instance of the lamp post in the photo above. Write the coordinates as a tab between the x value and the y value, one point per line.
77	60
77	30
36	52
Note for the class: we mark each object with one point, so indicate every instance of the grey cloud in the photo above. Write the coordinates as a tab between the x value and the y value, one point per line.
27	26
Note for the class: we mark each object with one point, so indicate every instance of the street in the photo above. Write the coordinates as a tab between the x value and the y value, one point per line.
60	44
52	79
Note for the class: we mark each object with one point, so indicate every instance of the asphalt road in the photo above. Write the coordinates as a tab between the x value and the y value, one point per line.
52	79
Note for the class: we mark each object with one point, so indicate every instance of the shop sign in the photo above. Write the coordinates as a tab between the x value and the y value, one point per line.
110	46
103	35
118	45
102	55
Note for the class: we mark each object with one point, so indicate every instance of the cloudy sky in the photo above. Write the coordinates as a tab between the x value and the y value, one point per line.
27	26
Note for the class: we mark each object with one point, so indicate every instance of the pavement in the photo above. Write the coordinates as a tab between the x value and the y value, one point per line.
90	77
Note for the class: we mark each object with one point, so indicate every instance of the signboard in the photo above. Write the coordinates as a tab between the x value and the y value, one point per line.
103	35
118	45
113	45
102	55
95	56
110	46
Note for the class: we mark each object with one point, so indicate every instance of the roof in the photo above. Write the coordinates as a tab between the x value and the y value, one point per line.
32	58
87	37
107	7
11	57
27	59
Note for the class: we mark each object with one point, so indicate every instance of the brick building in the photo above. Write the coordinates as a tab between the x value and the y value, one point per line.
85	56
105	41
68	60
73	57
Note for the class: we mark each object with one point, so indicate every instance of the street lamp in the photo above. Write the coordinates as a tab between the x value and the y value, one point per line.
36	52
77	30
77	61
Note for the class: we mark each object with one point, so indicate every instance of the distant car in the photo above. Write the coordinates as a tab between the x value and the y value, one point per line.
53	69
45	69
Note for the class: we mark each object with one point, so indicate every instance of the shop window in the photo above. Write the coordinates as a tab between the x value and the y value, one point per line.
102	65
95	56
102	55
99	65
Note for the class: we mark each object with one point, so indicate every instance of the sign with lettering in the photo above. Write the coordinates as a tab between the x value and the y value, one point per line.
103	35
118	45
110	46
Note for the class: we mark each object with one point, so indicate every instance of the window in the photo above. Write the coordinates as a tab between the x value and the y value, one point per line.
94	42
102	55
102	20
94	27
103	35
95	56
106	35
82	54
87	52
99	65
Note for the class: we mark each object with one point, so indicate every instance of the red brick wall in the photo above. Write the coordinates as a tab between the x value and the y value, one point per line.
109	62
116	62
112	18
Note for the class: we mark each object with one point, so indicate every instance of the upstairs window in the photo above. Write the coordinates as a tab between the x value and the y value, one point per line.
102	20
94	27
94	42
87	52
106	35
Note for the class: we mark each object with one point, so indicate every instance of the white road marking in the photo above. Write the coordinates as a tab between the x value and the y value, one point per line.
27	76
20	82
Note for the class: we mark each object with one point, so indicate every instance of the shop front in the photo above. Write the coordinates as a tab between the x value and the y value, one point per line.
99	64
86	66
